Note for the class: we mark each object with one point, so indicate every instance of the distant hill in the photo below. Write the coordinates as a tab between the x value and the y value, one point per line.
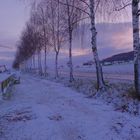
128	56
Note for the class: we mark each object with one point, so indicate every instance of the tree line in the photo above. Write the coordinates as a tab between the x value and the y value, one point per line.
52	23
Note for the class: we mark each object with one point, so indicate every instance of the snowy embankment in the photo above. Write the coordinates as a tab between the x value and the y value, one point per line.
43	110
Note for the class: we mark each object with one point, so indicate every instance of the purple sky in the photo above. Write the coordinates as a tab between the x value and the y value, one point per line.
112	38
13	15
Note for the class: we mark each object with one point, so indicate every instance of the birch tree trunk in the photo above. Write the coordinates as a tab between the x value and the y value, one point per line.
45	39
45	62
70	56
39	63
70	64
57	47
40	59
55	23
99	73
56	65
136	45
34	62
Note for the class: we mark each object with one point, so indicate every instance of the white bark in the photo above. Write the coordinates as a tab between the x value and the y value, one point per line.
45	62
57	48
100	80
136	45
34	66
39	63
59	26
55	24
56	65
70	30
70	56
45	41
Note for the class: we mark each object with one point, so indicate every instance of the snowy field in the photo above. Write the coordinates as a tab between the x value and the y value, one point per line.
111	72
43	110
113	69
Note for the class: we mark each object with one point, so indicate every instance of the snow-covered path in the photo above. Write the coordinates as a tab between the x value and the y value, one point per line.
43	110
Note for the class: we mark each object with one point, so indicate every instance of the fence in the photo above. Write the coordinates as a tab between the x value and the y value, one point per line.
6	80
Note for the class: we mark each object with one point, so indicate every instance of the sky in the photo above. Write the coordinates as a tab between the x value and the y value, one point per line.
13	15
112	38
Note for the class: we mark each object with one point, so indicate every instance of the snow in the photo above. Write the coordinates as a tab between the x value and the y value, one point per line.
123	68
117	72
43	110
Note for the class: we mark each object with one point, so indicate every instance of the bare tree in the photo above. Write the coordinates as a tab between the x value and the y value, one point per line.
36	21
43	26
122	4
72	16
100	80
26	46
136	44
58	28
89	8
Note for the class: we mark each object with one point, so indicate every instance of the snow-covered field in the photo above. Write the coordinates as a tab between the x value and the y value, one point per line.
43	110
113	69
114	72
124	68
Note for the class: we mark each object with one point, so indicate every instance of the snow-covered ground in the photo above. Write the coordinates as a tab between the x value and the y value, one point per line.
127	68
43	110
123	72
124	68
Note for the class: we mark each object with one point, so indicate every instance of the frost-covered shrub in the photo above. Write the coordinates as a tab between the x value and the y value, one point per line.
121	95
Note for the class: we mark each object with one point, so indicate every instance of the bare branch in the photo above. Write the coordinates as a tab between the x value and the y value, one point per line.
122	7
76	8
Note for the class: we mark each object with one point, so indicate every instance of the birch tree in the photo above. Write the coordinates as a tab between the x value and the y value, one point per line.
26	46
43	26
38	18
100	80
110	6
58	26
39	39
136	42
89	8
135	10
72	15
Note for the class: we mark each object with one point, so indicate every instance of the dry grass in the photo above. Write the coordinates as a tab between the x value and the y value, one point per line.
131	93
